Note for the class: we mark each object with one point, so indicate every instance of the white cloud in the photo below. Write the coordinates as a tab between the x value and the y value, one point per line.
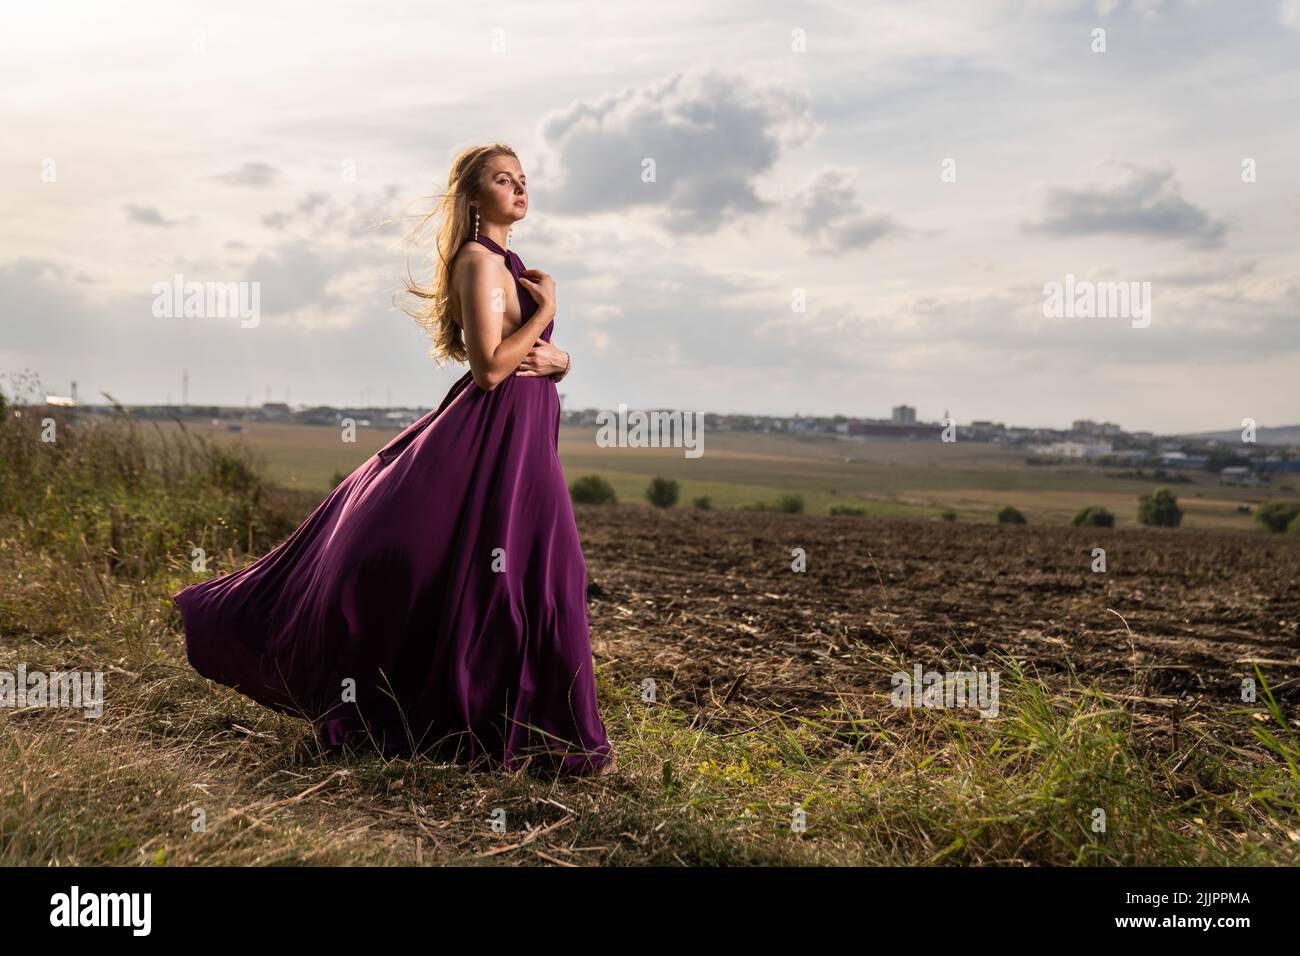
708	136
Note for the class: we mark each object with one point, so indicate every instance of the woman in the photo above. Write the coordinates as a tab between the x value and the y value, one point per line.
435	602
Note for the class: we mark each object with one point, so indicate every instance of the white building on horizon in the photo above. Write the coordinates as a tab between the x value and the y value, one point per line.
1076	449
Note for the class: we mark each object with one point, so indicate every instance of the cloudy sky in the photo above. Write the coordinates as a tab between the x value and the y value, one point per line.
854	204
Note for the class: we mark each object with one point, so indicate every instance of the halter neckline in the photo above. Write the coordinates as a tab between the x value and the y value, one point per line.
483	238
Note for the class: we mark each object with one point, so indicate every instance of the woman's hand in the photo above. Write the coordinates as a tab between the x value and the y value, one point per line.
541	287
543	359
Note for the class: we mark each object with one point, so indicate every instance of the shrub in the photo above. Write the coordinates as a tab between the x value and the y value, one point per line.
230	472
790	504
1294	526
1160	509
1010	515
948	516
703	503
1277	516
847	510
662	492
1094	516
592	490
1219	459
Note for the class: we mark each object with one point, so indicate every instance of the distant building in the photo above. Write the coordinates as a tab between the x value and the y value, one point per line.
320	415
276	411
1274	463
1239	475
1178	459
1086	426
400	419
1075	449
984	429
903	415
881	429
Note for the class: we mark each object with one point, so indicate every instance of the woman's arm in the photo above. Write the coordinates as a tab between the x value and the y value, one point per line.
491	358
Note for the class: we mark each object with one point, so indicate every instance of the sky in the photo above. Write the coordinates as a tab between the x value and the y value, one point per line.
853	206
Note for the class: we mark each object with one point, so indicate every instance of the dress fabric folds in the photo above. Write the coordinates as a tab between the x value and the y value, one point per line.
435	603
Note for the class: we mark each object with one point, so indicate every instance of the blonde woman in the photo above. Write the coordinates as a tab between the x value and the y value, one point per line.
435	602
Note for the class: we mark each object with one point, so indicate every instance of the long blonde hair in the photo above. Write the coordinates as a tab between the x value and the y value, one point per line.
464	183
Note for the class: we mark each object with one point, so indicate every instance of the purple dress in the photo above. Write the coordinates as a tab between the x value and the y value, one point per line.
435	603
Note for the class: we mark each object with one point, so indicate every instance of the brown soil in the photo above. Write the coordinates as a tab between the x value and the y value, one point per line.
699	599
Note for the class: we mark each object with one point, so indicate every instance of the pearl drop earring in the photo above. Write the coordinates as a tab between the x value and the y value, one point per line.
476	223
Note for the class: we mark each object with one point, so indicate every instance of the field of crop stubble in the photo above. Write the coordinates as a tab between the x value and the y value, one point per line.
1176	614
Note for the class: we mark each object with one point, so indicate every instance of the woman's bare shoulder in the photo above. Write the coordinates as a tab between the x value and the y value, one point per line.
474	259
479	264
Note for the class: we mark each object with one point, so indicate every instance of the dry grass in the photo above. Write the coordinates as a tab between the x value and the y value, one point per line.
713	781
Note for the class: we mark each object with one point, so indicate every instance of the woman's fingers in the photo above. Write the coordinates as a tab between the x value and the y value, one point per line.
531	364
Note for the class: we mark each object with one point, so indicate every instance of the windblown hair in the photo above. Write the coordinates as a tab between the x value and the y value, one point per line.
464	183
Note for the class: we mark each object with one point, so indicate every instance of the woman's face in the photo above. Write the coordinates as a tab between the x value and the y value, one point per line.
505	195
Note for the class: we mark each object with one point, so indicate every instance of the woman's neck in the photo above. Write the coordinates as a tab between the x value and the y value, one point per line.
497	233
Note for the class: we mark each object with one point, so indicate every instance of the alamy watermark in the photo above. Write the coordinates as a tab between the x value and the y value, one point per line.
946	689
84	689
75	908
213	300
1086	299
656	429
